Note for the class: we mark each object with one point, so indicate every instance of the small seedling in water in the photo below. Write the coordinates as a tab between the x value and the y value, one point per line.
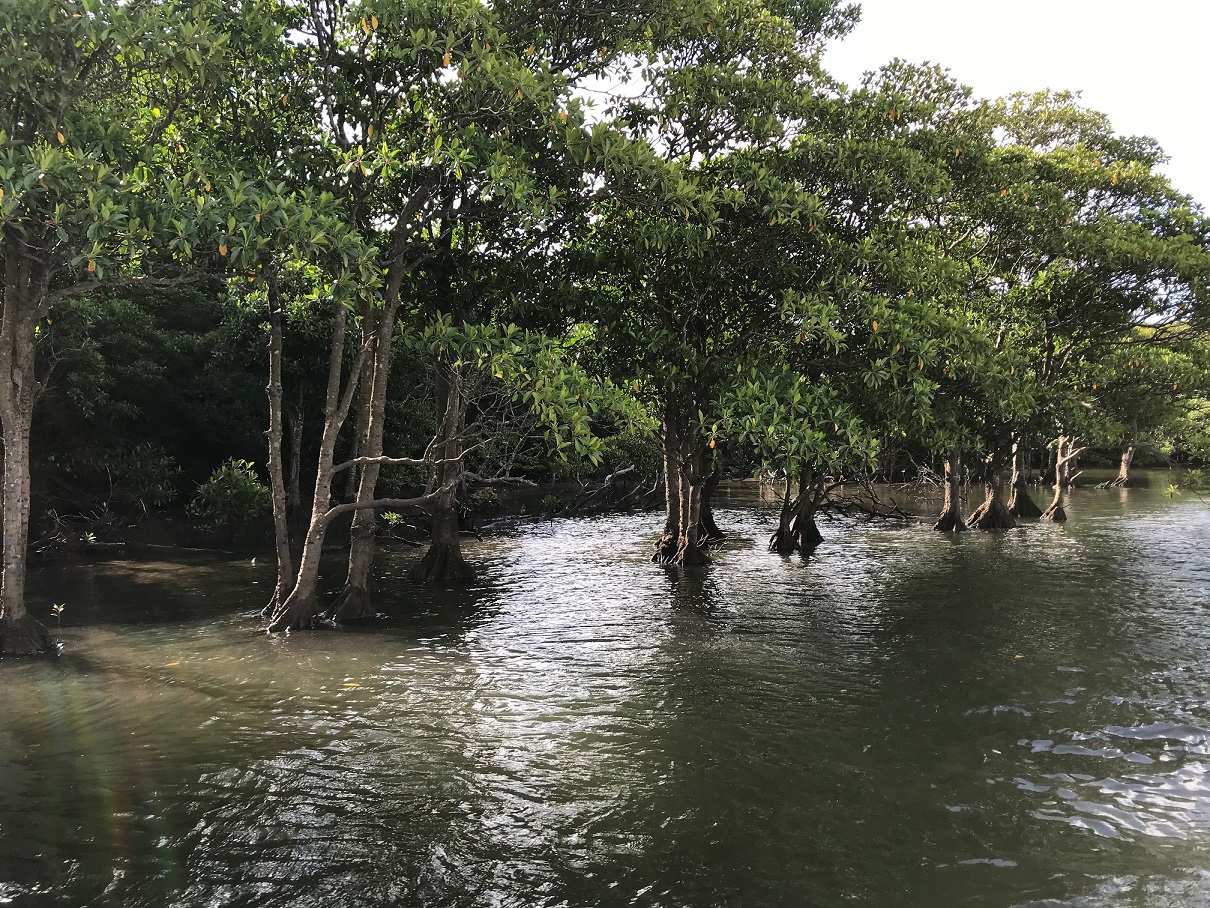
57	611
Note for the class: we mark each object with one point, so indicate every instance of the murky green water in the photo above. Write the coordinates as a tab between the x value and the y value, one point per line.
907	719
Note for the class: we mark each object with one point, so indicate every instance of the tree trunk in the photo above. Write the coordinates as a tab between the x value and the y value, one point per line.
797	530
301	608
710	532
665	549
689	550
950	520
354	602
1020	504
782	541
1055	512
296	517
1122	480
277	481
363	414
992	514
20	633
1065	454
443	560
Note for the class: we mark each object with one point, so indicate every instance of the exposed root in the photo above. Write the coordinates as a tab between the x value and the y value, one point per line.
708	530
1055	513
803	537
1118	483
1020	504
295	614
25	636
950	521
991	515
442	562
690	554
353	604
665	550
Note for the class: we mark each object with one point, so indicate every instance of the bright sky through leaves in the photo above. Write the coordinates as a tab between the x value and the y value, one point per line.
1142	64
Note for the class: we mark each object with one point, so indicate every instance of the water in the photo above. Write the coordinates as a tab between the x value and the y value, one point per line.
906	719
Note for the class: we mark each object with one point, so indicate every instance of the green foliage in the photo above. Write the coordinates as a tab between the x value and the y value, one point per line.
233	496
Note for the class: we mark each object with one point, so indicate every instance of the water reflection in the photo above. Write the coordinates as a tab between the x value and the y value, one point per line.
903	719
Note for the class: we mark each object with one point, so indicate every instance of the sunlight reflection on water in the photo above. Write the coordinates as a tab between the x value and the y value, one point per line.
906	719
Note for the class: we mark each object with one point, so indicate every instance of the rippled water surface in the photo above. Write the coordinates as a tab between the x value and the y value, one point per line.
906	719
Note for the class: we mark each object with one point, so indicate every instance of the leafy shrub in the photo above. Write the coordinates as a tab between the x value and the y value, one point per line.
233	495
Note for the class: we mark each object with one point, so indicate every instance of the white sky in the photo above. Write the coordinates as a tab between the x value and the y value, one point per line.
1145	64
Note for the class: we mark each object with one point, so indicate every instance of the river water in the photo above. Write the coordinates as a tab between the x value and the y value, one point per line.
907	719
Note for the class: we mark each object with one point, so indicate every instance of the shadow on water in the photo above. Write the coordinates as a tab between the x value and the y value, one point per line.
581	727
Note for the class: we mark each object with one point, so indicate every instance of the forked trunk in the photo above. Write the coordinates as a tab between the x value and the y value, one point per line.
782	541
1065	454
797	530
950	520
1020	504
296	516
1122	480
354	602
301	609
1055	512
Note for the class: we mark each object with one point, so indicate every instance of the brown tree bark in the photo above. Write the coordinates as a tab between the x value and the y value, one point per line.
992	514
797	530
295	516
689	548
277	481
666	547
710	531
1122	480
950	520
444	560
1020	503
354	602
300	609
20	633
1065	454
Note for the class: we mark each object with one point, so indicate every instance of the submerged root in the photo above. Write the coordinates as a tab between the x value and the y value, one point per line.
26	636
442	562
353	604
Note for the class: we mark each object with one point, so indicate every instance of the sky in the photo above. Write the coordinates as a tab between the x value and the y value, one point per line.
1144	64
